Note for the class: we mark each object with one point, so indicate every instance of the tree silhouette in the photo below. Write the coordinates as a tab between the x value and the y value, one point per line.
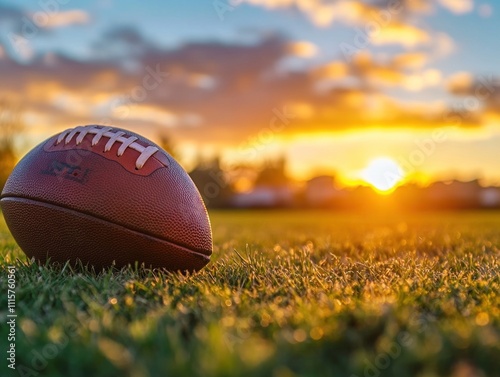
212	183
273	174
11	125
166	142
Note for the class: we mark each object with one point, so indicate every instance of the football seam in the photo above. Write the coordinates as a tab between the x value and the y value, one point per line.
130	141
100	154
59	207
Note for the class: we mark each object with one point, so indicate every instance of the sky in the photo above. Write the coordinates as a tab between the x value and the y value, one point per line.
332	85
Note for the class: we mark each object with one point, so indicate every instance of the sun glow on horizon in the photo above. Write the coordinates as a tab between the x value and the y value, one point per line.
383	174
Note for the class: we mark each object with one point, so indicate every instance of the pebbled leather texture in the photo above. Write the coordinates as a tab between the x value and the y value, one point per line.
163	204
69	236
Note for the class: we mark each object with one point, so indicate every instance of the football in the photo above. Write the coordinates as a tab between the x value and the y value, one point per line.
106	197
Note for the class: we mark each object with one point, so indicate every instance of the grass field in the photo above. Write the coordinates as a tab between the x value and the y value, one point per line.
287	294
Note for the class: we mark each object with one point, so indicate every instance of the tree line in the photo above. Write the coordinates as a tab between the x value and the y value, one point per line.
11	125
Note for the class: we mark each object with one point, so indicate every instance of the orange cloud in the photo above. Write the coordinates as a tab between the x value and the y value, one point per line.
355	12
303	49
404	70
66	18
458	6
432	77
324	12
402	34
460	82
59	19
319	12
419	6
223	92
333	70
411	60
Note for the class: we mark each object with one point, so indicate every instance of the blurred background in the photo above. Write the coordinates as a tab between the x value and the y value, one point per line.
390	104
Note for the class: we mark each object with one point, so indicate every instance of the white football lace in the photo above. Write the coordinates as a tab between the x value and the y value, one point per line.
114	136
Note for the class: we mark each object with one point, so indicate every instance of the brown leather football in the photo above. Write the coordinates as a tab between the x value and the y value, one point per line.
106	196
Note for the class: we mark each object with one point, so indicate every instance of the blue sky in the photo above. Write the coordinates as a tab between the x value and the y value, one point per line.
175	22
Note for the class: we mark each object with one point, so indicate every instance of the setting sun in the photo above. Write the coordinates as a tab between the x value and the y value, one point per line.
383	174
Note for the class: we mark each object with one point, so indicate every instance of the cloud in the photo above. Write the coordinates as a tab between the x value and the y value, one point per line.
21	27
60	19
479	90
303	49
205	84
318	11
479	96
460	83
353	12
416	82
432	77
356	12
443	45
367	69
411	60
378	23
123	36
218	92
418	6
458	6
401	34
22	22
324	12
403	70
333	70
